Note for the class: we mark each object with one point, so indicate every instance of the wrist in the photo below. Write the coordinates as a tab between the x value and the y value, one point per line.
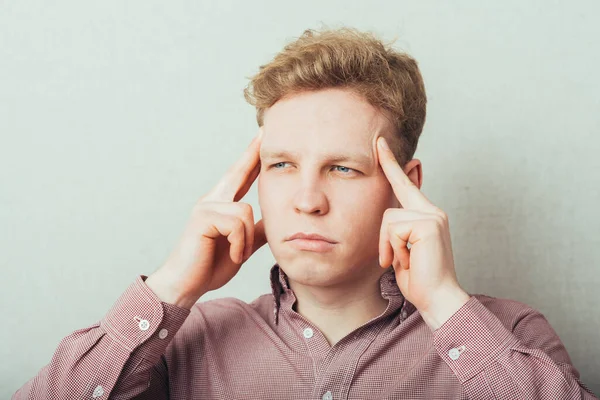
168	293
443	306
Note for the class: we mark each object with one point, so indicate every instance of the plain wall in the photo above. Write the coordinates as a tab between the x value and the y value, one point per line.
115	117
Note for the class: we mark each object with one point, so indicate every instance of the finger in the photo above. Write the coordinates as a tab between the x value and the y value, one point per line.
242	211
231	227
390	216
407	193
396	264
236	182
386	253
399	234
246	215
248	184
237	239
249	235
259	239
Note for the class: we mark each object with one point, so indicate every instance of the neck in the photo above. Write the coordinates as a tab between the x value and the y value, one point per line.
339	310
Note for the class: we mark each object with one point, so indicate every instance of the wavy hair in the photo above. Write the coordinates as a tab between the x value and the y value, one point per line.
388	79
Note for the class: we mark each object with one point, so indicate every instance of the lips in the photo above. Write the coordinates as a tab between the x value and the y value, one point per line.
310	236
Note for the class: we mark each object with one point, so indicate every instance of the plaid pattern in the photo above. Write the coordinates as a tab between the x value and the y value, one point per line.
227	349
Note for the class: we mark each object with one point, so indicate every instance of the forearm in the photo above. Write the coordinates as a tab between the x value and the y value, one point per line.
113	356
492	361
82	354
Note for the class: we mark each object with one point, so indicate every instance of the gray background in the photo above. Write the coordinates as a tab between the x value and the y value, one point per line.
116	116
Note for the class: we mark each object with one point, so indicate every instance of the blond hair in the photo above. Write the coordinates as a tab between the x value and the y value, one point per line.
347	58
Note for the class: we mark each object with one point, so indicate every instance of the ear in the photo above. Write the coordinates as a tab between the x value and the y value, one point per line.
414	170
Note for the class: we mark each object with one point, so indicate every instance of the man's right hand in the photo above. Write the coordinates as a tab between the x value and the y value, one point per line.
219	237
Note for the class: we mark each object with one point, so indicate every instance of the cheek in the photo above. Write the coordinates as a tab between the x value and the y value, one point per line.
376	200
363	202
268	193
272	185
262	196
385	196
366	211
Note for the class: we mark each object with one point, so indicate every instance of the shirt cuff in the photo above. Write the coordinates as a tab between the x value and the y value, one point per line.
471	339
139	315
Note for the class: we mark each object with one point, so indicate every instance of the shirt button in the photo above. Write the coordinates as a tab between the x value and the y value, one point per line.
328	396
144	325
163	333
98	391
404	314
455	353
308	333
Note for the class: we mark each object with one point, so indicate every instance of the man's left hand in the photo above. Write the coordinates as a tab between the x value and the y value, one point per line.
425	273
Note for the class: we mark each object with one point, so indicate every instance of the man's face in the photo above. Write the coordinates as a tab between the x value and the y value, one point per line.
302	188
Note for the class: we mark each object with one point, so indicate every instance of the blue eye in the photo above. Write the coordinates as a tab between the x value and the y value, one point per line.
346	170
349	169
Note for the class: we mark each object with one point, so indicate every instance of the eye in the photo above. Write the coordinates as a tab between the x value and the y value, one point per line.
345	170
281	162
348	169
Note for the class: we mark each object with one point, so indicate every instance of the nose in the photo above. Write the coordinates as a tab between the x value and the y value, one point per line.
311	199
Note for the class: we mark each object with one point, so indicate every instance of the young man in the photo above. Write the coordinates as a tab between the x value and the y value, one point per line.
365	302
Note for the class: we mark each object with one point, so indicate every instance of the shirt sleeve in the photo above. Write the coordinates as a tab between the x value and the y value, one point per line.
493	362
117	358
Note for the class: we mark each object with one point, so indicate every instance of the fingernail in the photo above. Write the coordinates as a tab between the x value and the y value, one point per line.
382	143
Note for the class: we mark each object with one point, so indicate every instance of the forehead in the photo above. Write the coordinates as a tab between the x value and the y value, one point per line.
328	119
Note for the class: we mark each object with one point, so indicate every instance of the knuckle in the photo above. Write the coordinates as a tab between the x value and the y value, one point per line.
238	224
246	208
199	209
205	207
443	216
396	228
441	219
387	214
244	211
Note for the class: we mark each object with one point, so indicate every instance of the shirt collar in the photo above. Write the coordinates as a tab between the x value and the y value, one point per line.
387	283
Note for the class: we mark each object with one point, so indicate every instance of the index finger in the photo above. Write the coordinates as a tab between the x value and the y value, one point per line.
406	192
240	176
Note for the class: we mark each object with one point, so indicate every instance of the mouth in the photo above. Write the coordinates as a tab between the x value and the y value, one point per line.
314	245
310	236
311	242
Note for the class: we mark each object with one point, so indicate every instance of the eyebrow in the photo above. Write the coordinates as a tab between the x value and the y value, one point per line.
332	157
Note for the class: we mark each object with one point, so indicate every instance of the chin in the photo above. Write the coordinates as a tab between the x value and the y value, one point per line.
310	271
